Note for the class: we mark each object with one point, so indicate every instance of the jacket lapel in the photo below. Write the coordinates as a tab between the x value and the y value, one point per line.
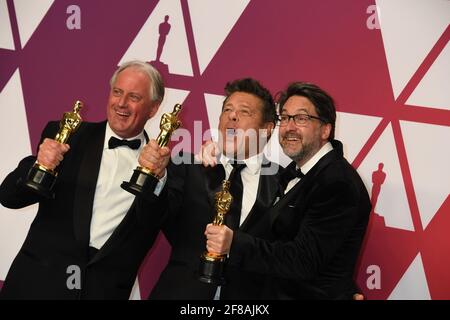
213	181
289	198
87	181
268	189
296	192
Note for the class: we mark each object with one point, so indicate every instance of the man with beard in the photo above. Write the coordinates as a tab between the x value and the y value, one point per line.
318	224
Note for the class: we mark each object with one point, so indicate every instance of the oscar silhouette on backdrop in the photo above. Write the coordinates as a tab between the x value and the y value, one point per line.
164	29
378	178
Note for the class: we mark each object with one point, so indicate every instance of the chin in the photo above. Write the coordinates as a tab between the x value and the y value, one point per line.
292	153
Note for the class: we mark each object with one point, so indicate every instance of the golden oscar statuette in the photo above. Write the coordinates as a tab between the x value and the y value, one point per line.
143	179
41	179
212	264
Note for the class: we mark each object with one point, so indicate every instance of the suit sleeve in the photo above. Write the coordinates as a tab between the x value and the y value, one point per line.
12	194
327	223
151	210
175	196
161	211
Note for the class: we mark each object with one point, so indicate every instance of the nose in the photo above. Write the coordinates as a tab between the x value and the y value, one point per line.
123	101
291	125
233	115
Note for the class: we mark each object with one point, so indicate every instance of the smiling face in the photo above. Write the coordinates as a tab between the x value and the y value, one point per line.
129	104
241	126
300	143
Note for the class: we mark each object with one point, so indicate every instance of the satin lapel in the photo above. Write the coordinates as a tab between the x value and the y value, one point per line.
268	190
146	137
213	180
87	182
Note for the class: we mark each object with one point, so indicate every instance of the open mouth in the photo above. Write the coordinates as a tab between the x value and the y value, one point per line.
292	138
231	132
122	113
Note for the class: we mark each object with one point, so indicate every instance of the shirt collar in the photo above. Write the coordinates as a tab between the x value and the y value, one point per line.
327	147
253	163
110	133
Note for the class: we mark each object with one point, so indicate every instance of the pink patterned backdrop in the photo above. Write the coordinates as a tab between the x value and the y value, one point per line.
387	63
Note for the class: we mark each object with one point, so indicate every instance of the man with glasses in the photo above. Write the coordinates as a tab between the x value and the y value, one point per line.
318	224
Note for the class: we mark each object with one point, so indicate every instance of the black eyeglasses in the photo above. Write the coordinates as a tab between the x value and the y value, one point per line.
300	119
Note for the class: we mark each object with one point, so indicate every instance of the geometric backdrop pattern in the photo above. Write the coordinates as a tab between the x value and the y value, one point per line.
386	63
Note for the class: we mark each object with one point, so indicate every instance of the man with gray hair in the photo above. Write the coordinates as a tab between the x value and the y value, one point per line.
89	241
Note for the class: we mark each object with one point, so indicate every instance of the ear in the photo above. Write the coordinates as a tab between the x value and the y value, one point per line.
269	126
154	109
326	130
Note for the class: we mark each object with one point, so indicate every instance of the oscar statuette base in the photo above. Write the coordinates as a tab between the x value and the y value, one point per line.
40	181
140	182
211	269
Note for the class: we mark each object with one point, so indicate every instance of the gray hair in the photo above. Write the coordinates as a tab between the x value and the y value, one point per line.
157	83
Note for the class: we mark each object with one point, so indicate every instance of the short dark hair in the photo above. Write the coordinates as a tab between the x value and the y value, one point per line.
322	101
249	85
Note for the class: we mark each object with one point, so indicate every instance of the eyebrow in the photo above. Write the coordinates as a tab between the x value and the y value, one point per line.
297	110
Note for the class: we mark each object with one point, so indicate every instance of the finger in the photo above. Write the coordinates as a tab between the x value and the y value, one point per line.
160	173
358	296
213	230
208	227
215	150
150	153
65	147
211	247
205	156
51	153
164	152
209	156
152	143
198	157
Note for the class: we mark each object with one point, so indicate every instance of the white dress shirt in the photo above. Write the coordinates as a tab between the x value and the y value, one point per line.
111	202
250	181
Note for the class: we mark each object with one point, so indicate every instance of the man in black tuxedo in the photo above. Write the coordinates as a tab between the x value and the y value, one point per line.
318	223
88	242
247	119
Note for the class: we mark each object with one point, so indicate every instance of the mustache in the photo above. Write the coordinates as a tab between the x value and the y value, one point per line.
288	135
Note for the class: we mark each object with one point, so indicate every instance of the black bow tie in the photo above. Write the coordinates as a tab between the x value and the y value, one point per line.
290	173
132	144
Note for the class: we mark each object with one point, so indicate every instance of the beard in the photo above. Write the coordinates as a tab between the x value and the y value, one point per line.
306	151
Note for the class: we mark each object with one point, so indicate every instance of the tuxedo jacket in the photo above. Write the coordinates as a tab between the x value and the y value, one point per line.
191	191
317	229
56	249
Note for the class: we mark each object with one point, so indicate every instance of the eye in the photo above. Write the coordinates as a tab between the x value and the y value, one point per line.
302	117
135	97
116	92
245	112
226	109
